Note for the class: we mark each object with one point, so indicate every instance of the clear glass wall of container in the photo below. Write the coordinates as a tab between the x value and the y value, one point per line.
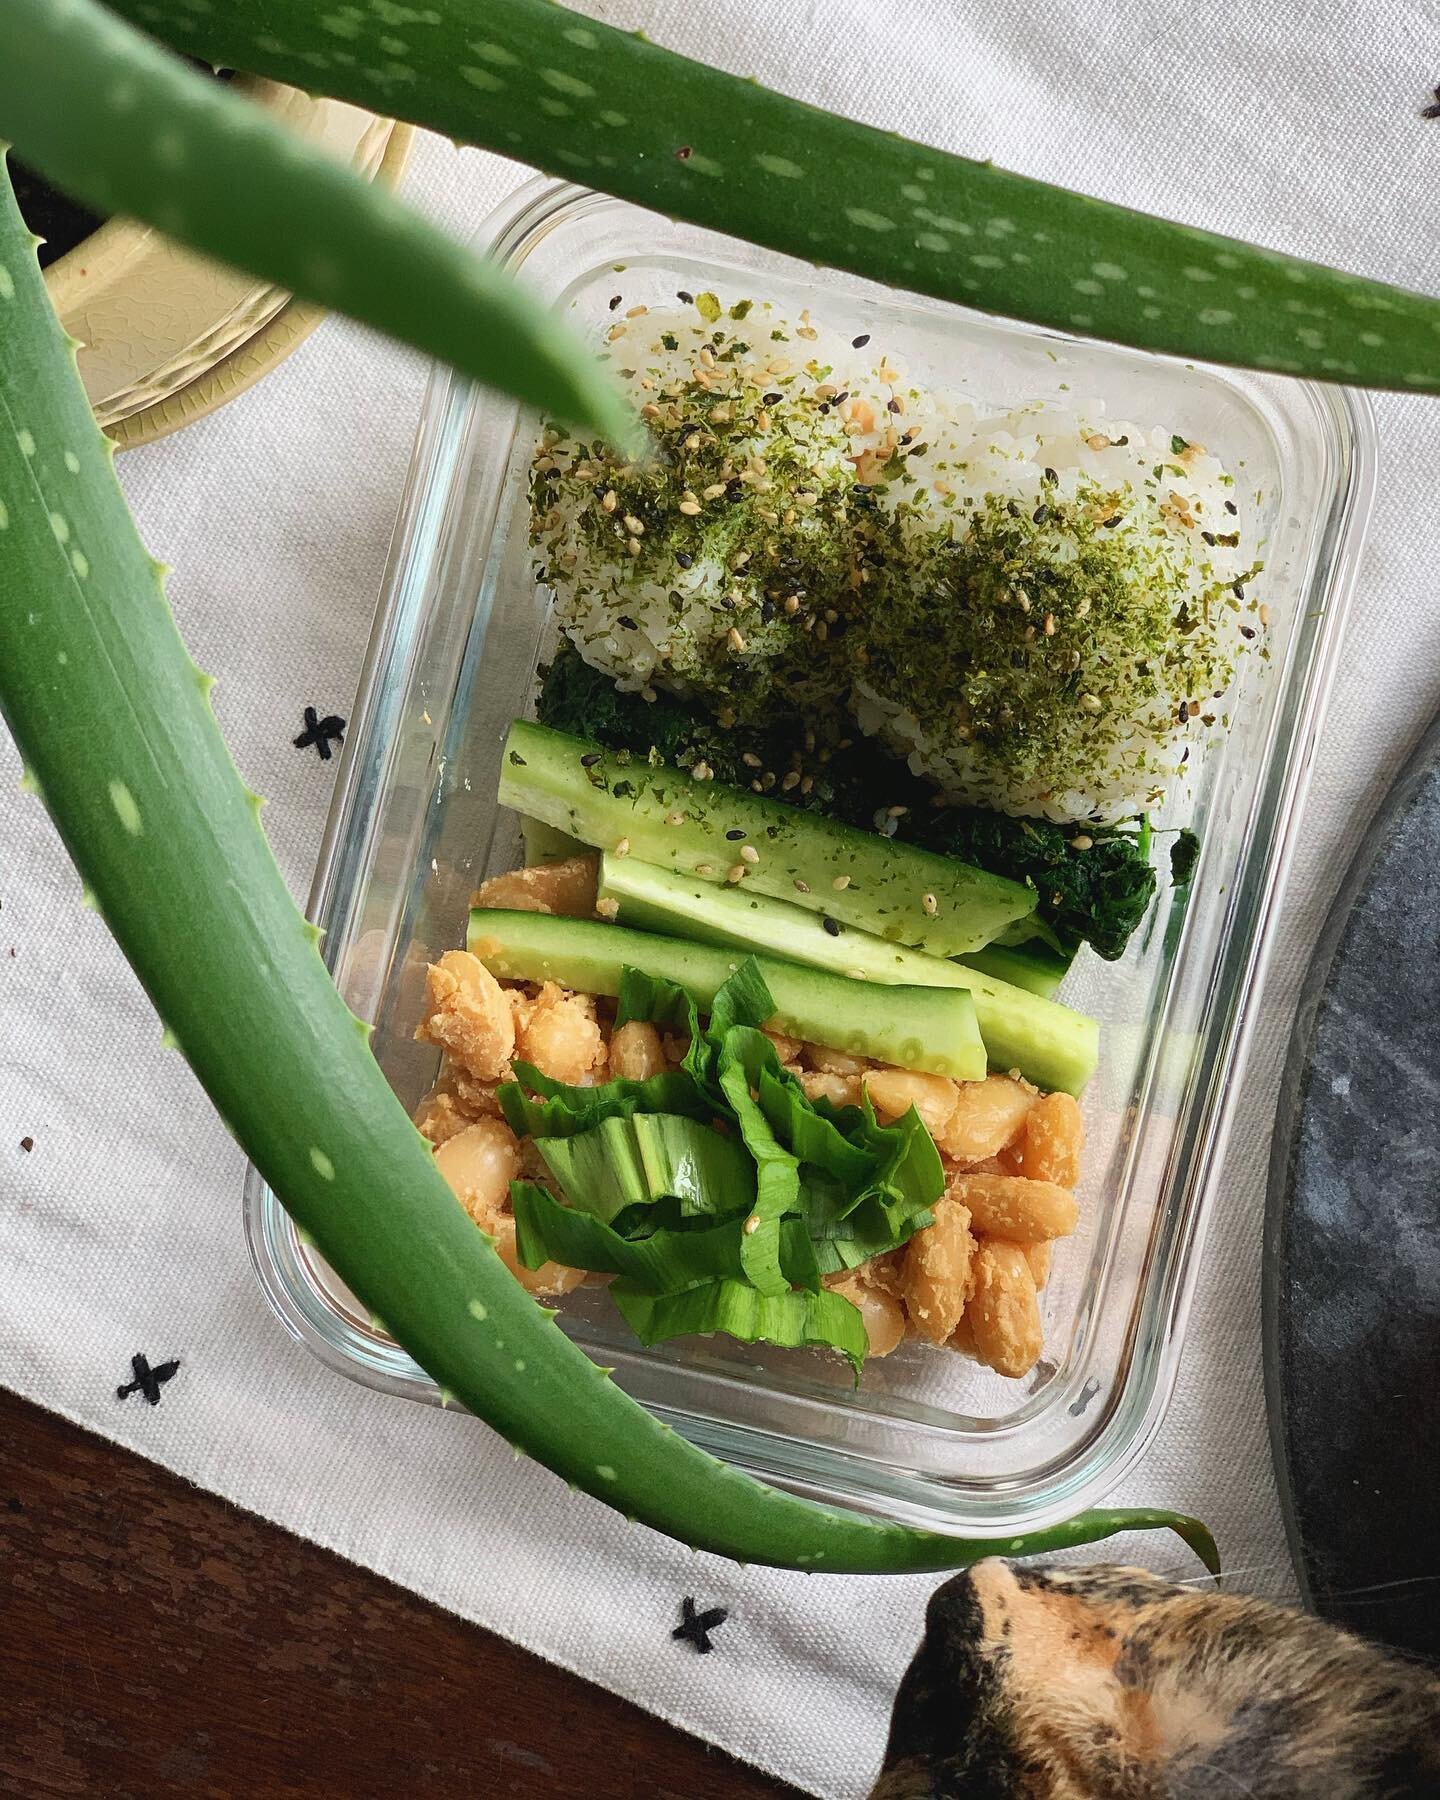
414	827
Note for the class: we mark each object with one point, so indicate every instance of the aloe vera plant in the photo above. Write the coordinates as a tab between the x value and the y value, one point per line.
115	120
583	100
168	840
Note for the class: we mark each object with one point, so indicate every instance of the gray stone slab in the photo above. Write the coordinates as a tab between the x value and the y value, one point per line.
1352	1240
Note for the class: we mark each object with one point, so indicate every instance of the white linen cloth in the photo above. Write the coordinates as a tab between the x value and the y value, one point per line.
1296	123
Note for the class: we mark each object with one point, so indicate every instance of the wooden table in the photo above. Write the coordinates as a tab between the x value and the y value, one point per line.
156	1641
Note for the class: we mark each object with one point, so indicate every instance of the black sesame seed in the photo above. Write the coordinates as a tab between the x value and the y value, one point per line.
1247	631
1238	590
840	399
685	559
684	298
1040	514
860	342
615	301
1231	507
894	406
1209	536
1121	441
831	925
772	399
589	760
735	834
1051	476
1012	508
627	622
1112	521
767	611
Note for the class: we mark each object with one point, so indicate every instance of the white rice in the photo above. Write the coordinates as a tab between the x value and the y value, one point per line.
1034	455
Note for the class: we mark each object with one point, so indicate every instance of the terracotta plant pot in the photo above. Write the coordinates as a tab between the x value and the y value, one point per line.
166	335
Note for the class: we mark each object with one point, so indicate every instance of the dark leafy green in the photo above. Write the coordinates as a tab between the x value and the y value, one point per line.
1096	895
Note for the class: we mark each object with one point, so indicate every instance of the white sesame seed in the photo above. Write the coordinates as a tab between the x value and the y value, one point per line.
930	903
1082	842
704	868
752	1225
623	847
689	508
801	887
736	872
840	883
749	854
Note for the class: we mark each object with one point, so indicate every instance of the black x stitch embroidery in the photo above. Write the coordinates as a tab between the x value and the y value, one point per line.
695	1627
147	1381
319	732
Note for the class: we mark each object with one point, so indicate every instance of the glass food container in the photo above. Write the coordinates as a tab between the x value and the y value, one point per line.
928	1436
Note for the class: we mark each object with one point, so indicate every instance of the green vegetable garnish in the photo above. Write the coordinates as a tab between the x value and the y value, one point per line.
736	1308
799	1188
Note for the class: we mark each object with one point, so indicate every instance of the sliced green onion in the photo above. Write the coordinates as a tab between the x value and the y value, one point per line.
734	1307
635	1161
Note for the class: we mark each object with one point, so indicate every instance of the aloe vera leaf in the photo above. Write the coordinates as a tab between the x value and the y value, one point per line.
118	122
114	723
593	104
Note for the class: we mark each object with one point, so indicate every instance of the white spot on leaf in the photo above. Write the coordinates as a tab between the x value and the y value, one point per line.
126	809
867	220
478	1310
779	165
567	84
497	54
321	1163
